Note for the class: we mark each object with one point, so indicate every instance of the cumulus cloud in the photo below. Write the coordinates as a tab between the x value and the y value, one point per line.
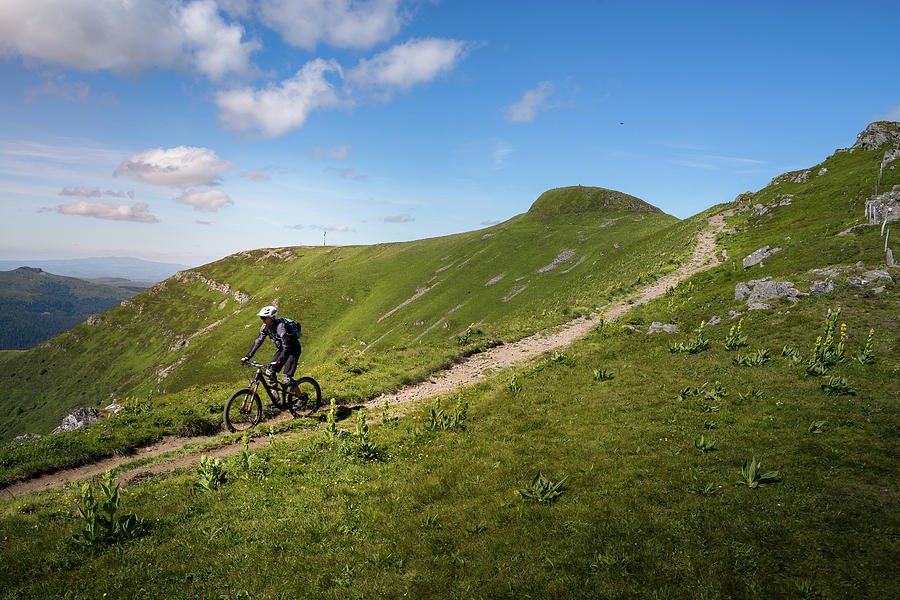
338	23
405	65
404	218
336	153
205	200
95	35
183	166
94	193
104	210
278	109
532	102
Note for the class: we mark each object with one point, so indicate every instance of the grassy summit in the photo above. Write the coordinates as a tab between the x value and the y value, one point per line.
580	199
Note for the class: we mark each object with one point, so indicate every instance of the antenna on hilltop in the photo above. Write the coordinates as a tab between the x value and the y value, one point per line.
323	236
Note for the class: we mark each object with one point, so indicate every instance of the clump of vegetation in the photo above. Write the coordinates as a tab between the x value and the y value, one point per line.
736	338
816	427
440	420
757	359
542	490
838	386
698	343
513	386
867	356
704	445
210	474
603	375
359	445
386	419
102	523
752	476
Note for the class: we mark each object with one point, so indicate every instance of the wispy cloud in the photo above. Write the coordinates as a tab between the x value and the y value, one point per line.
488	223
56	84
337	153
893	114
404	218
712	162
94	193
532	102
104	210
502	150
255	175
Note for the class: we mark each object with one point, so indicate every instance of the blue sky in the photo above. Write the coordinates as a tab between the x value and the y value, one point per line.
185	130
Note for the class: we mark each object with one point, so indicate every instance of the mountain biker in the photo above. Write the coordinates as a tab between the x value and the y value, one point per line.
285	341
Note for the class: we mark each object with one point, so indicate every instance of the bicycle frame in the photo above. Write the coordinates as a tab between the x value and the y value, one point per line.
275	391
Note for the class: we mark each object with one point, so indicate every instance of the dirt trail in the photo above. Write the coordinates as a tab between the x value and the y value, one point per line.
470	370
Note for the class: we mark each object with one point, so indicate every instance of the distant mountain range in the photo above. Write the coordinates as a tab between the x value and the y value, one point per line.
35	305
133	269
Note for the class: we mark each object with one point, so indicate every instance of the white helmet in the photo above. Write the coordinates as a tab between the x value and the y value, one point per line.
267	311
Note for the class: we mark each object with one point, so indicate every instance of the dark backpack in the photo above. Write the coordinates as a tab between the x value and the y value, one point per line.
292	326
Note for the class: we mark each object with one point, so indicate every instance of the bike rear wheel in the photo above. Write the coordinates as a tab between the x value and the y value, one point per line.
308	400
243	410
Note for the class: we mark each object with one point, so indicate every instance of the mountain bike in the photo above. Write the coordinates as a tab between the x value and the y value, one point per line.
243	410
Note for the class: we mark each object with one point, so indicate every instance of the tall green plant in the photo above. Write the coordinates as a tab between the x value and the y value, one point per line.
102	523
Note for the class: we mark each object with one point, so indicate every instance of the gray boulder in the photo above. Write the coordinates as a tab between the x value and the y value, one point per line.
856	228
656	327
770	290
828	271
714	320
114	408
757	306
820	288
27	437
857	282
757	257
878	275
78	418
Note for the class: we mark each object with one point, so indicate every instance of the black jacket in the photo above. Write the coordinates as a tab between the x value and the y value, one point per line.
282	336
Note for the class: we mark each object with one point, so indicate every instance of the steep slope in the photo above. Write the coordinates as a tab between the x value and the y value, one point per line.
35	305
374	317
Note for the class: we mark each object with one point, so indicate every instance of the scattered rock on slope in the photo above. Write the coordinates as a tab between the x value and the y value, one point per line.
757	257
78	418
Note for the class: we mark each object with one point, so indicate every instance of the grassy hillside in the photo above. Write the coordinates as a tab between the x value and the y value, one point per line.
35	305
374	317
652	449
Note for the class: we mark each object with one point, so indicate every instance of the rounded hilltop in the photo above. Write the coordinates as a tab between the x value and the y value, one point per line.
581	199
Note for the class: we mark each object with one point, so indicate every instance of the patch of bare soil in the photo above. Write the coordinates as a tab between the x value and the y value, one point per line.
471	370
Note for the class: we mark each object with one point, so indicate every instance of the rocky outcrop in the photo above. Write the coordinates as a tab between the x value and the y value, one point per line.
884	207
758	291
820	288
78	418
877	134
871	277
656	327
27	437
757	257
563	257
223	288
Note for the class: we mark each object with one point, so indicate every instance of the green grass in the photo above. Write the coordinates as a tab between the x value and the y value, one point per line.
642	512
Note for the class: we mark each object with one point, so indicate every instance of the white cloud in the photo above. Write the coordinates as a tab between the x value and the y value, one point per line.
350	173
490	222
405	65
205	200
278	109
104	210
336	153
183	166
95	35
404	218
532	102
337	228
338	23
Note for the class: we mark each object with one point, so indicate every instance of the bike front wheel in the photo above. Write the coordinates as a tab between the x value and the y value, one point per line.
305	398
243	410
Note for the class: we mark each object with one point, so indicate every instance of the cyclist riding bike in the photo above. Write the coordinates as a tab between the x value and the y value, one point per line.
285	340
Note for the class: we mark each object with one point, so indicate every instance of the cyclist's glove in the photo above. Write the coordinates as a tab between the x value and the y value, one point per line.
245	360
270	372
